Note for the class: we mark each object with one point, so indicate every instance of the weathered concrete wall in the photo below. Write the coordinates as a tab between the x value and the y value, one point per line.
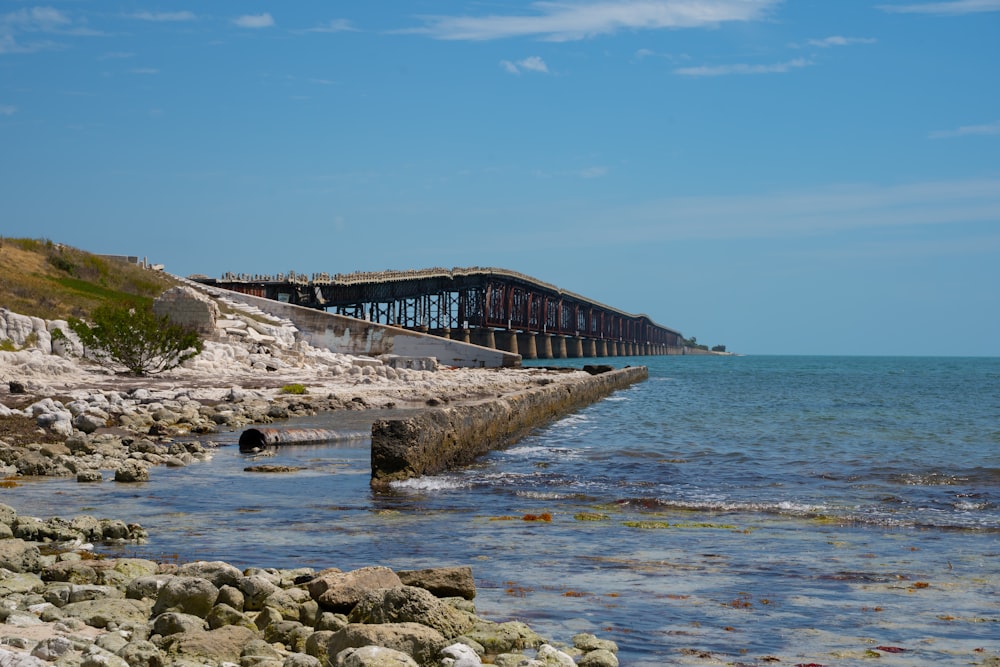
348	335
438	439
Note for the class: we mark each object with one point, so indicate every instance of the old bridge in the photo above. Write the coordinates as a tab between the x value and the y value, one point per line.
491	307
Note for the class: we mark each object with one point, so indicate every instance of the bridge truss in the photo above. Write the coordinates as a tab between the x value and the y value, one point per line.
442	300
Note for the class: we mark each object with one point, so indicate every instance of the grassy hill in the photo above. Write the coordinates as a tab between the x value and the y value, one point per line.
53	281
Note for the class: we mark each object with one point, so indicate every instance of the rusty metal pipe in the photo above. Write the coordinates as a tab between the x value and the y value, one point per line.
254	439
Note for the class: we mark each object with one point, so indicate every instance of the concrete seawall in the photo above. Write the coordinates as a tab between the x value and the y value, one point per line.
442	438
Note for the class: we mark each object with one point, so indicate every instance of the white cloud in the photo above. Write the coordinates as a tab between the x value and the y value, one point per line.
956	7
529	64
264	20
574	20
594	172
7	109
336	25
742	68
117	55
837	40
36	19
968	130
13	25
165	16
144	70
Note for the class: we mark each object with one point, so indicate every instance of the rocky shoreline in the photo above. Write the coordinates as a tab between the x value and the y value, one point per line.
61	604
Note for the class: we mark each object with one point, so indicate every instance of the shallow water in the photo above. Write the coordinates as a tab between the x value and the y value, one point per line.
736	510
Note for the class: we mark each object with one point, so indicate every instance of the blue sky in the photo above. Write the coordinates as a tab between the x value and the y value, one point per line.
797	176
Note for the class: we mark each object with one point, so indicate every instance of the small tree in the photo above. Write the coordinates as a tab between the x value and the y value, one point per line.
136	338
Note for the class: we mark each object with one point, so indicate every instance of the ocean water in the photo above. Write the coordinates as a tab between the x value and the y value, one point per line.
729	510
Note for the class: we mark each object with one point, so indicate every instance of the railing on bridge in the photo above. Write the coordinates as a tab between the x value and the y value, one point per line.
476	304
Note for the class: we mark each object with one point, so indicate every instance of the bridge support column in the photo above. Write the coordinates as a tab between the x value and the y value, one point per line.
508	341
466	337
590	348
575	347
526	344
602	348
546	348
613	348
560	347
484	337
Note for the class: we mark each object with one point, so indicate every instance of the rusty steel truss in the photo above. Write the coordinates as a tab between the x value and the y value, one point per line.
452	299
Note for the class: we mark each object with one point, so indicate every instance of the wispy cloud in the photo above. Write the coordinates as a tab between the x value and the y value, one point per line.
33	20
838	40
953	8
264	20
743	68
529	64
336	25
7	109
165	16
117	55
809	212
573	20
143	70
594	172
968	130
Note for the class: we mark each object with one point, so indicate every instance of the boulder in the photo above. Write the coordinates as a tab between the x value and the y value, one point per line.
340	591
598	658
99	613
141	653
505	637
462	655
213	647
443	582
587	642
188	595
219	573
19	556
410	604
172	623
423	644
223	614
373	656
132	471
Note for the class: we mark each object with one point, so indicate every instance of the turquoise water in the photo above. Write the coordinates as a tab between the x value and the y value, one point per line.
730	510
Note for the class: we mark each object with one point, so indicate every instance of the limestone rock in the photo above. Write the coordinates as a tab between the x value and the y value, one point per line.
373	656
99	613
188	595
598	658
224	644
505	637
423	644
132	471
340	591
172	623
219	573
189	308
141	653
587	642
410	604
462	655
443	582
19	556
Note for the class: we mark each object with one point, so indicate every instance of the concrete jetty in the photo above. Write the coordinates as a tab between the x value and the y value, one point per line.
438	439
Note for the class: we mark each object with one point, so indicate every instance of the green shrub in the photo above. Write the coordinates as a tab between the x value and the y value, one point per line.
7	345
134	337
295	388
